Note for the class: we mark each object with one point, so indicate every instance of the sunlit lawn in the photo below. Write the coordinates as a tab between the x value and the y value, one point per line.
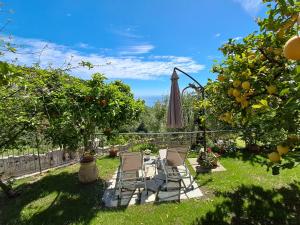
244	194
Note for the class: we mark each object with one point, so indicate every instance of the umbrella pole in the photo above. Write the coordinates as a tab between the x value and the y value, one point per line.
204	123
198	88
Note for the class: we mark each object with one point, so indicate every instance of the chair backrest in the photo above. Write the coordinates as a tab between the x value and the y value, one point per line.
131	161
176	156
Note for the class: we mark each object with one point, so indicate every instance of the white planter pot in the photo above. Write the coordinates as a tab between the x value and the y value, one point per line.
88	172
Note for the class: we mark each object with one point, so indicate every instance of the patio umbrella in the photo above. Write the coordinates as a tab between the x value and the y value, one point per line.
174	119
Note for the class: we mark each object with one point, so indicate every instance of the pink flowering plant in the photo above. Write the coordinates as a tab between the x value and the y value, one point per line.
207	159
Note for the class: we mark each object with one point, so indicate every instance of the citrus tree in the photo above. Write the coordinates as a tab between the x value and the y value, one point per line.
64	109
257	90
105	107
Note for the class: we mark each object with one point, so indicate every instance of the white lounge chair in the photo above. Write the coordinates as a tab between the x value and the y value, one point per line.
174	166
131	173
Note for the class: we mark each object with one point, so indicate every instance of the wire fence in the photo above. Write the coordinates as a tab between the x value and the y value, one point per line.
193	140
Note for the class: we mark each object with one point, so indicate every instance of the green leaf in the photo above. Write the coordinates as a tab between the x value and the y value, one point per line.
3	67
284	91
291	99
298	69
258	106
264	102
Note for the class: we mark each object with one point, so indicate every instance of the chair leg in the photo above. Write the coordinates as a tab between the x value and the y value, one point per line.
120	190
145	185
184	185
120	193
166	182
192	186
191	181
166	175
189	175
146	190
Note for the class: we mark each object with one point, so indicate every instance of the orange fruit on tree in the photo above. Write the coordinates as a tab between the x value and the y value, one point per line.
274	157
228	117
251	57
236	83
230	91
291	49
103	102
221	78
269	49
244	104
236	93
293	137
271	89
238	99
246	85
262	57
282	150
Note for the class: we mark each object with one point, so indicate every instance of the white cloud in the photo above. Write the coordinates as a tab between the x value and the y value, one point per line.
217	35
178	59
128	32
250	6
83	45
127	66
214	57
237	38
137	49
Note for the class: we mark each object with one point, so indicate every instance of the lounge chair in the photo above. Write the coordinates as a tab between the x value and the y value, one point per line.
174	167
131	173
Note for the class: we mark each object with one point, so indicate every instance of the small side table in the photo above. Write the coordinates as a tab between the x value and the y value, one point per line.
150	163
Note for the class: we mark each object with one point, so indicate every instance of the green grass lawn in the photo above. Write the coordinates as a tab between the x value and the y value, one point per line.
244	194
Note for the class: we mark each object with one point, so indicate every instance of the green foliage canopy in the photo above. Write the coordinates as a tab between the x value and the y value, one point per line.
268	110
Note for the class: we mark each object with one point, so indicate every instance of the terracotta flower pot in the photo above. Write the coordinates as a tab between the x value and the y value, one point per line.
215	163
88	172
113	152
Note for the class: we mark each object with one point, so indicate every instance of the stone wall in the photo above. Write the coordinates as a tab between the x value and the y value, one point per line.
14	166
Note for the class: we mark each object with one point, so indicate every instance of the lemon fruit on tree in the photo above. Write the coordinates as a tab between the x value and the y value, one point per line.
260	87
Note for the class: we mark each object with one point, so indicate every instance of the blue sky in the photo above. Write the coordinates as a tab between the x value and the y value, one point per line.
138	41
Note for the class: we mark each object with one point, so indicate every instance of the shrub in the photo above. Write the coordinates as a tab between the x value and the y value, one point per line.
144	146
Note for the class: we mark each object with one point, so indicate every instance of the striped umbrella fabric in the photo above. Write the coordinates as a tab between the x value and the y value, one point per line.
174	117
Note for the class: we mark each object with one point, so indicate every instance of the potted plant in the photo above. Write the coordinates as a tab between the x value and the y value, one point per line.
207	159
147	153
113	151
113	142
88	171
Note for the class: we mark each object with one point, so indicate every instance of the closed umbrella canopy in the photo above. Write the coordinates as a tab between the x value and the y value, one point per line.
174	119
